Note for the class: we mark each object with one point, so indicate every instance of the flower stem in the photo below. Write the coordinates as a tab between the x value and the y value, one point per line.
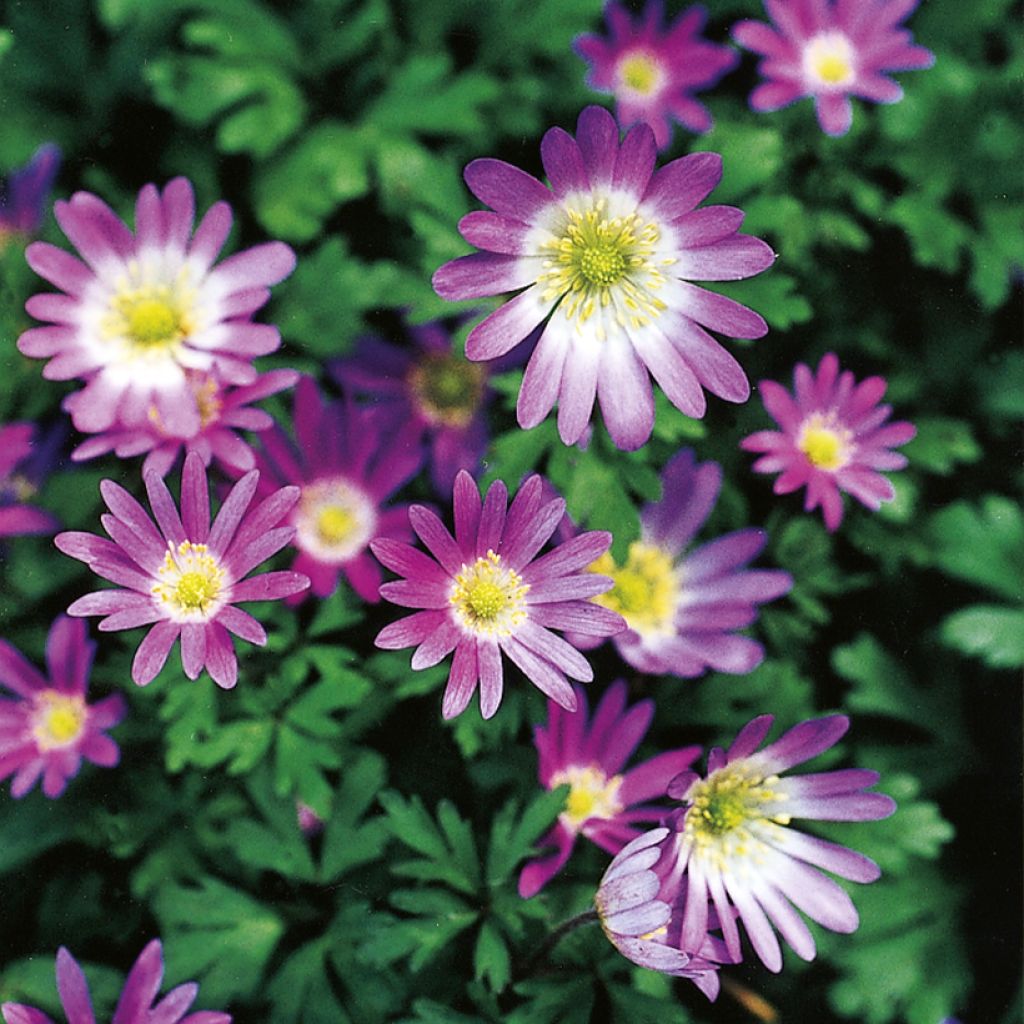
553	939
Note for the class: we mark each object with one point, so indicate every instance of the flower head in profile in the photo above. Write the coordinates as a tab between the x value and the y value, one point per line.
485	592
603	261
834	438
183	574
831	50
23	464
653	71
49	728
136	1002
604	803
347	462
144	309
25	193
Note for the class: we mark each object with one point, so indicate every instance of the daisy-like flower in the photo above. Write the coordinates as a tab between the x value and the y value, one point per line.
49	728
683	607
736	845
603	804
135	1005
144	309
223	410
485	592
23	463
652	71
183	574
831	50
24	194
834	438
347	462
604	259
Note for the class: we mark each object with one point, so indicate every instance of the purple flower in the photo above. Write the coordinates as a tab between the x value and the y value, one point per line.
831	50
834	438
22	465
682	610
49	728
653	72
183	574
24	195
348	462
144	309
485	592
603	805
135	1005
604	259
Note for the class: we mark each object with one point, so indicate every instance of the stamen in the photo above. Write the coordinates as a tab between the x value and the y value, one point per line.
488	598
191	581
640	73
58	719
826	444
592	794
646	589
447	389
334	521
829	59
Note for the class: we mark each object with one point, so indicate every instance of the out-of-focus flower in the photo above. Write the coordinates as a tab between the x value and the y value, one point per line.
485	592
310	823
23	464
135	1005
49	728
26	192
604	259
144	309
348	462
652	71
834	438
831	50
603	804
183	574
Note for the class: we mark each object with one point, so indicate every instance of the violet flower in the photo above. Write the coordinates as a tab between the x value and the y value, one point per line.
26	192
23	463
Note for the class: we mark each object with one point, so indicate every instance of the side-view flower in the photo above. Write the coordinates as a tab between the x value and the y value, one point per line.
19	479
25	193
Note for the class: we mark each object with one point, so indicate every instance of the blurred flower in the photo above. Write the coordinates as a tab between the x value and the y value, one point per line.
682	610
144	309
653	72
485	592
834	438
50	728
183	574
135	1005
600	258
26	192
735	845
348	461
603	804
223	409
831	50
23	464
310	823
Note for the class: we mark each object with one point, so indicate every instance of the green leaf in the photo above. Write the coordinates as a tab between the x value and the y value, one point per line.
941	444
513	835
567	1000
301	991
991	632
349	842
491	961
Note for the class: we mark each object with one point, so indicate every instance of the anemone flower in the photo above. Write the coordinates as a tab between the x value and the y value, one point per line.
23	463
25	193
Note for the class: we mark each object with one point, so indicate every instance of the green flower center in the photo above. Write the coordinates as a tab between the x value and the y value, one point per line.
447	388
730	799
191	580
488	598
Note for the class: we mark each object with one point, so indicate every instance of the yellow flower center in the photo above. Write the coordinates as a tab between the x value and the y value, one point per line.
191	582
639	73
829	58
334	520
591	795
58	719
334	523
447	388
488	597
646	589
148	316
826	445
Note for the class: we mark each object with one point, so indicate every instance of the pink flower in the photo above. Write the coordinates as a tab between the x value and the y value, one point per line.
603	804
834	438
183	574
831	50
49	728
19	480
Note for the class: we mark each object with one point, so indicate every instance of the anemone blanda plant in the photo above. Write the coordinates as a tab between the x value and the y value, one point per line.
25	192
831	50
604	260
834	438
23	463
184	575
485	592
653	71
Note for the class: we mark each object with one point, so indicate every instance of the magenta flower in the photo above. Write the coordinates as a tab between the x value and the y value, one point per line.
20	472
603	805
223	409
49	728
834	438
831	50
347	463
183	574
654	72
604	259
24	195
485	592
144	309
135	1006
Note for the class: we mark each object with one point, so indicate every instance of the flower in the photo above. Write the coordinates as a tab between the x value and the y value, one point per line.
223	409
183	574
25	192
135	1005
602	804
831	50
603	258
653	72
144	309
834	438
734	841
682	610
50	727
23	463
485	592
347	464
